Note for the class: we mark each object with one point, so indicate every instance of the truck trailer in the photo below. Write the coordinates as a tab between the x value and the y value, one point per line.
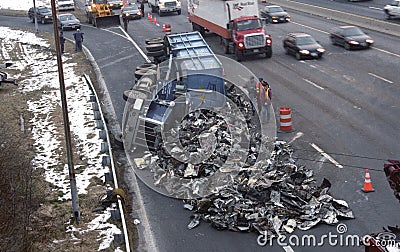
236	22
193	78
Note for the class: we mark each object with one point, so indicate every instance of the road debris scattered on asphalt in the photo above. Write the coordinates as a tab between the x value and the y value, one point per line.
274	196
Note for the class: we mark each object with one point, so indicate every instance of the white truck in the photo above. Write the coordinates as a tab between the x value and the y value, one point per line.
236	21
392	10
165	6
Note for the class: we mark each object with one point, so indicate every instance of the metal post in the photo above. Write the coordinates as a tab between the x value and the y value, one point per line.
35	18
67	132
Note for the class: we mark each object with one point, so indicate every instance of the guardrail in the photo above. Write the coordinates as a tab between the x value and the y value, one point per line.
106	147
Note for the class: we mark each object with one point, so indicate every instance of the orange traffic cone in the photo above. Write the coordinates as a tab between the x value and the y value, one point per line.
367	183
163	28
150	17
155	20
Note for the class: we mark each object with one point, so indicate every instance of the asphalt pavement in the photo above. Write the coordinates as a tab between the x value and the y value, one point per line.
338	104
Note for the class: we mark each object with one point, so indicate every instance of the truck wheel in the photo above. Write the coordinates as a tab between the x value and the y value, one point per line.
156	53
145	72
179	12
147	66
268	53
132	95
154	47
157	40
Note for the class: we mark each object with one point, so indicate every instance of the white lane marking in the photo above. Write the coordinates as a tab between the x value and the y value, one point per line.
136	45
288	249
381	78
333	161
312	83
298	135
375	8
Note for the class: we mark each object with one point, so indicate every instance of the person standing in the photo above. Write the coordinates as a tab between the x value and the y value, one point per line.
142	7
126	21
62	41
78	36
264	98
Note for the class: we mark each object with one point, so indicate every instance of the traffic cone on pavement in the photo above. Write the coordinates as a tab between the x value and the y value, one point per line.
163	27
367	183
155	20
149	17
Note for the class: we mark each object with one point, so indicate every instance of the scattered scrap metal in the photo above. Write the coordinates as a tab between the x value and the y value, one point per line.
273	196
392	171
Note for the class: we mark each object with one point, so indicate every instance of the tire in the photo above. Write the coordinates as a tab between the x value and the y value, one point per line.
347	46
132	95
144	72
156	53
157	40
298	56
268	53
154	47
147	66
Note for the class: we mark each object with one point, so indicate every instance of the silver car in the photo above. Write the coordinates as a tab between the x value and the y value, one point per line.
68	21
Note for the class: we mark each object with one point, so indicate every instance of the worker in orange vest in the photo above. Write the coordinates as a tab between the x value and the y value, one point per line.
264	98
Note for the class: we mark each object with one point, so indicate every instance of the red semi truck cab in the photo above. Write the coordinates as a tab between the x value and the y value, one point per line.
235	21
249	37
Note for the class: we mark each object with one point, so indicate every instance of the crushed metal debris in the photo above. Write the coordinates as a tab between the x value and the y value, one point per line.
274	196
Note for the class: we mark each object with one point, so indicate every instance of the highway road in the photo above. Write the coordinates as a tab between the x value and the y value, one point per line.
346	104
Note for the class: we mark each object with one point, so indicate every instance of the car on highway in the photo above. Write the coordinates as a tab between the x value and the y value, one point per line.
274	14
68	21
131	12
350	37
44	15
303	46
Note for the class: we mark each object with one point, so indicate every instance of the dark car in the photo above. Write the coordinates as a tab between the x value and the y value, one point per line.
131	11
351	37
303	46
43	14
68	21
275	14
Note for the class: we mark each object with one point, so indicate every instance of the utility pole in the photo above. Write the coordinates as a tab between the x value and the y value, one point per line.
67	132
36	24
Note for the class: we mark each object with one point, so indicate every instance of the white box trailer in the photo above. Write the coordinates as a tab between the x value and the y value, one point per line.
237	22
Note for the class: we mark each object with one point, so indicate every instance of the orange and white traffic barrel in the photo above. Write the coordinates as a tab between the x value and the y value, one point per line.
285	120
168	29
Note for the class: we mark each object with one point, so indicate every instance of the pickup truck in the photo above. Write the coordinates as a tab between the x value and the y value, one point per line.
392	10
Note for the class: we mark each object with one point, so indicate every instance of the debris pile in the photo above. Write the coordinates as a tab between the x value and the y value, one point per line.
273	196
